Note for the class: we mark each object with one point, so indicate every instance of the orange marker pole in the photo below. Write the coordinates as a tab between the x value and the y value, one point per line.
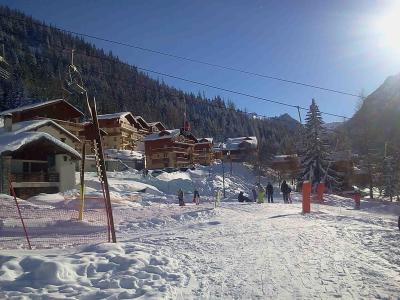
306	197
320	192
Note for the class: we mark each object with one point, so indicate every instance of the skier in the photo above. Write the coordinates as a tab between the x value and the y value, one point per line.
180	197
270	192
254	194
261	194
217	198
196	197
284	190
241	197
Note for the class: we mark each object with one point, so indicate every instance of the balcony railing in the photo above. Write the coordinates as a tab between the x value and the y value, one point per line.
35	177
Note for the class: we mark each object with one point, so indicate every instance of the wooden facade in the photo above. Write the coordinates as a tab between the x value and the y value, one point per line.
240	149
35	162
58	109
124	131
287	166
203	149
169	148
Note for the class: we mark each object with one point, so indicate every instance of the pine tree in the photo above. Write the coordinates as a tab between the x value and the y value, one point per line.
314	161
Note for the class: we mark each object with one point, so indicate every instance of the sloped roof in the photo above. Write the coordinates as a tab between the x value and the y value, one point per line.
282	158
165	134
157	124
38	105
114	115
35	124
236	143
205	140
13	141
142	121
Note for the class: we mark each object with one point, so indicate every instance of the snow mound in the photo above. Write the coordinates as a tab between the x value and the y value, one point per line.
119	271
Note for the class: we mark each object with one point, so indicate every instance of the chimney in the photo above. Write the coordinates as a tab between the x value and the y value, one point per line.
8	121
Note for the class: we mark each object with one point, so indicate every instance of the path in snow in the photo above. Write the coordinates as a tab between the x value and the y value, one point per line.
238	251
251	251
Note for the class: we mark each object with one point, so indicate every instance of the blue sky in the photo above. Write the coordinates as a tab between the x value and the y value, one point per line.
328	43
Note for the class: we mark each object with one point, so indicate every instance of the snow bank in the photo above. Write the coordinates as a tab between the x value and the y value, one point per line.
120	271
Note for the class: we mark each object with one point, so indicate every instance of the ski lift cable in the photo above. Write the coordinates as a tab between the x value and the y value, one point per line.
197	61
201	84
213	86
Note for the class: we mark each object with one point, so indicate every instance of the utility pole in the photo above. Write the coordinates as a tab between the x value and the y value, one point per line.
223	176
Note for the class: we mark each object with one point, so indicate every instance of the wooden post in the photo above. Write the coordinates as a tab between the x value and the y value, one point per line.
93	111
82	178
306	197
19	212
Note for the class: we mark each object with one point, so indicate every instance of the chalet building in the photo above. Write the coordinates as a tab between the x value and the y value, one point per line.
156	126
217	150
240	149
59	110
342	164
203	150
287	166
169	148
124	131
35	161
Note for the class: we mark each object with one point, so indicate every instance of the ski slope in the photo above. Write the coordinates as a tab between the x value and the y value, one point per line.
236	251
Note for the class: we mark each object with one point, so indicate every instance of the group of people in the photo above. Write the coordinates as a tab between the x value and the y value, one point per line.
196	197
259	192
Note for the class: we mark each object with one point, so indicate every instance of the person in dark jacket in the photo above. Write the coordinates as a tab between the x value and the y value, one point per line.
254	194
270	192
285	191
196	197
243	198
180	198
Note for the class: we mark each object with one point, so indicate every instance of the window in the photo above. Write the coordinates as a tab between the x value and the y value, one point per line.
115	139
25	167
65	158
165	155
62	140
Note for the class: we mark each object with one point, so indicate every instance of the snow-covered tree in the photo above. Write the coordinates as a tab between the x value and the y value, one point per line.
315	165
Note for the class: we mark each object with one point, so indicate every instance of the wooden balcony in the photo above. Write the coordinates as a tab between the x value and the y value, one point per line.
35	177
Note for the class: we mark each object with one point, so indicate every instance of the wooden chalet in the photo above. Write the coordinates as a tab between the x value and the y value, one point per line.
156	126
240	149
169	148
34	160
342	164
58	110
204	151
287	166
124	131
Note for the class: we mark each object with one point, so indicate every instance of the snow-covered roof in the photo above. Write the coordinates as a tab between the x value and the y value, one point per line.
35	124
114	115
123	154
13	141
238	142
158	123
141	121
205	140
37	105
165	134
282	158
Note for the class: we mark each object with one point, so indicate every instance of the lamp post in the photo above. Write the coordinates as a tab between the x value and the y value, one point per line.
230	158
223	177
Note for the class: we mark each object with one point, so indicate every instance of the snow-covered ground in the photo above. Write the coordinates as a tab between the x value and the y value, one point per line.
236	251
